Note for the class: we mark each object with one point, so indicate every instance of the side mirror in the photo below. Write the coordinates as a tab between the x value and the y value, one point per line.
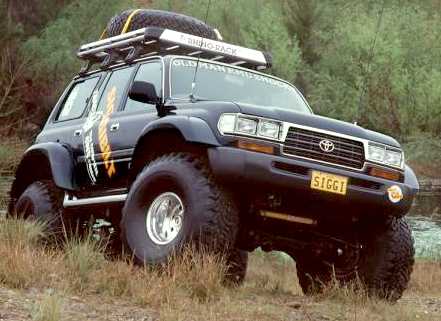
144	92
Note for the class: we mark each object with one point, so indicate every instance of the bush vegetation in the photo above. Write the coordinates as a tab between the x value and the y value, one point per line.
374	62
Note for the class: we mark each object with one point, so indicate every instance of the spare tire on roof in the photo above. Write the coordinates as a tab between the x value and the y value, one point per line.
157	18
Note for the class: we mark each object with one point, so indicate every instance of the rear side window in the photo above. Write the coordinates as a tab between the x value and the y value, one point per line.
77	99
115	90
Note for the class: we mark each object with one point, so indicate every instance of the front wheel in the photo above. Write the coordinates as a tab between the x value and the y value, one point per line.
175	202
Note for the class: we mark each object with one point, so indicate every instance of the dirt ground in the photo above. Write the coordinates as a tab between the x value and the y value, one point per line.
21	305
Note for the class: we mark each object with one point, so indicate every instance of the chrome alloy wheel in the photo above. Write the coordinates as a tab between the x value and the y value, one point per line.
164	218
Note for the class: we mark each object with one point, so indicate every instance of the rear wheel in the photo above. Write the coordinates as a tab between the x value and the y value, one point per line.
384	265
42	201
315	275
388	260
173	203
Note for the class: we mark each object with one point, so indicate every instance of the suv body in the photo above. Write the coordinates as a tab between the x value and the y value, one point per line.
303	183
295	154
288	167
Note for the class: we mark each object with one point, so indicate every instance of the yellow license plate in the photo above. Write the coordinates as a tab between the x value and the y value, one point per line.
329	182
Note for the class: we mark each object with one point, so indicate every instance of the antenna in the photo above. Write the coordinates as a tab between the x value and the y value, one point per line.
193	84
371	56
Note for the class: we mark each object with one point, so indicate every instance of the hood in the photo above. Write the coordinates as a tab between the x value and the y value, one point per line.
318	122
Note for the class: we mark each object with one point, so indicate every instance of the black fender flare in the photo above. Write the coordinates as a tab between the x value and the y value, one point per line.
44	161
192	129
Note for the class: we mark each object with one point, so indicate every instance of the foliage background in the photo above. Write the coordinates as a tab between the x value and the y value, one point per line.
376	62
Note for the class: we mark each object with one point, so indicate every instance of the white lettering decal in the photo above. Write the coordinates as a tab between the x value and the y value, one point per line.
231	71
89	151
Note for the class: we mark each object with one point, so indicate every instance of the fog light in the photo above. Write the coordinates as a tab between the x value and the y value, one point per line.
395	194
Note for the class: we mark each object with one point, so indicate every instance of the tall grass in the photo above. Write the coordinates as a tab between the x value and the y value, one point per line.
23	263
20	233
49	308
189	287
82	257
80	266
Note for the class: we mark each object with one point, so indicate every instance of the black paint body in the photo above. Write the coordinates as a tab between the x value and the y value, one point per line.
253	175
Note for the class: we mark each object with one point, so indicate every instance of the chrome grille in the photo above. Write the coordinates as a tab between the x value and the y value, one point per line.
305	143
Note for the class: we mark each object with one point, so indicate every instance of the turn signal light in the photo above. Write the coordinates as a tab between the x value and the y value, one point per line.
255	147
384	173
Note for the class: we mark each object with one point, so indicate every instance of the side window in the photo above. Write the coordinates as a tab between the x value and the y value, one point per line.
115	90
150	72
77	99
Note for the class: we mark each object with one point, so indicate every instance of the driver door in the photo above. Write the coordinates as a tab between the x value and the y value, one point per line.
131	119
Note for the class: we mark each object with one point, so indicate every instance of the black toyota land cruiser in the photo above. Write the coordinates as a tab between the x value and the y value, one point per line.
177	138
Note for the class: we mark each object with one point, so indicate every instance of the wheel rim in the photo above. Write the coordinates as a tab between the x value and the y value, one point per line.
164	218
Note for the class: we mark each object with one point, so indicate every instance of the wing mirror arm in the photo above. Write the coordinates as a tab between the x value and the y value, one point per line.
164	109
145	92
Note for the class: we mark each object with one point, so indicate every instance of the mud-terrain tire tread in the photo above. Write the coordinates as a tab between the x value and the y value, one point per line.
162	19
385	268
221	214
389	260
49	197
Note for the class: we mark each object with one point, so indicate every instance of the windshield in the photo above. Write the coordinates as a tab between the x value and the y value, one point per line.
220	82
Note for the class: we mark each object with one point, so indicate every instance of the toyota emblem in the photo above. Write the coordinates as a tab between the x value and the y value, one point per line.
326	145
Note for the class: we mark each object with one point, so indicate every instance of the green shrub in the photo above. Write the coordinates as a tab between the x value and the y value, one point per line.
398	75
326	48
53	52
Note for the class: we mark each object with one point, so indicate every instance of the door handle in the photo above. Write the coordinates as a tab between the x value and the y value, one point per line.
114	127
78	132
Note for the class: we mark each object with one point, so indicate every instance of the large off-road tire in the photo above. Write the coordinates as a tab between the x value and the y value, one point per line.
42	201
162	19
175	202
388	260
236	267
384	267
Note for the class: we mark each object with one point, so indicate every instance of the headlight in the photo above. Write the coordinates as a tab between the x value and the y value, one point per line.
393	158
227	123
269	129
385	155
376	153
250	126
246	126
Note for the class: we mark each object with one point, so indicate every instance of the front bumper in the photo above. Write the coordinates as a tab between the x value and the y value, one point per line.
257	172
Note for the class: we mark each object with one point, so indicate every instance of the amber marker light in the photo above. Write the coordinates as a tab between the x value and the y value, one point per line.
255	146
384	173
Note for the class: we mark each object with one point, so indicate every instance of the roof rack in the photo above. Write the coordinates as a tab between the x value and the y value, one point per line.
152	41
